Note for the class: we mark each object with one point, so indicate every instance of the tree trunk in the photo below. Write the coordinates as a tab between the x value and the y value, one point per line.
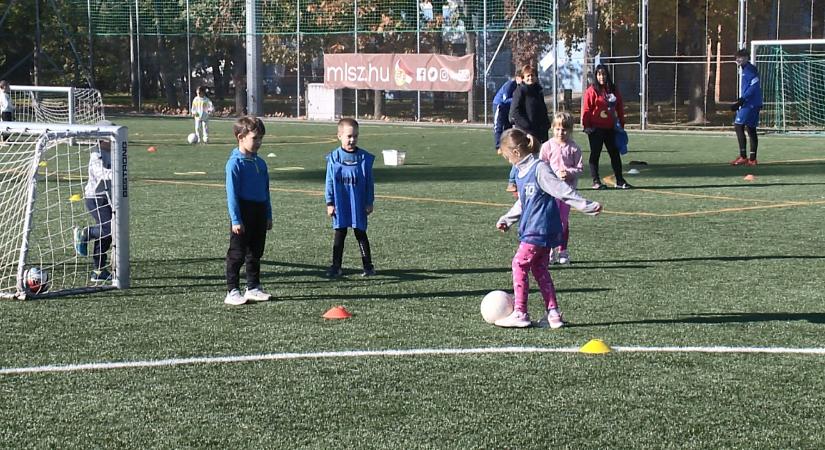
696	72
239	78
167	78
589	44
377	104
217	77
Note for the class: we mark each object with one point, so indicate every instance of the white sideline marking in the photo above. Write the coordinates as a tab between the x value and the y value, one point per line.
410	352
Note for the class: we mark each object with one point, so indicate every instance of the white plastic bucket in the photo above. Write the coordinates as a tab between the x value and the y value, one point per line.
393	157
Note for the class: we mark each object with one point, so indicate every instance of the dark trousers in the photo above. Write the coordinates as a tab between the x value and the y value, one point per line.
740	136
7	116
363	245
248	247
101	232
604	137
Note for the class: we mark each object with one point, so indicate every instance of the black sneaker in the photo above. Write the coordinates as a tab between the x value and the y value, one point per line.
623	185
368	272
597	185
333	272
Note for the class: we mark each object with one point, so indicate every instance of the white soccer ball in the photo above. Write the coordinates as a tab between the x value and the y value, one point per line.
192	138
496	305
36	280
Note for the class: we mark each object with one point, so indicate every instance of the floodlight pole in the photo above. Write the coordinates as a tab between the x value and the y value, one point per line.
484	60
137	43
355	38
188	59
418	51
254	100
298	59
643	70
555	57
91	44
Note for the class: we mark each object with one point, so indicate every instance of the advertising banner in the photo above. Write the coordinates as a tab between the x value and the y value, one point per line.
398	72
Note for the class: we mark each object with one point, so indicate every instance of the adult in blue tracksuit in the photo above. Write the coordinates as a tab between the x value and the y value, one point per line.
250	211
501	108
747	109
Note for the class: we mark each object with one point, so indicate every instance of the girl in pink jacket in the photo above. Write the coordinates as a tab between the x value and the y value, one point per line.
565	158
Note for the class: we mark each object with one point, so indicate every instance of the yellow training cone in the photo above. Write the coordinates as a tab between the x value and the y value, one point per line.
596	347
43	164
75	198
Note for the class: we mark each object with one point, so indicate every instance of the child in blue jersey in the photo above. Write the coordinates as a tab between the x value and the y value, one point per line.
747	109
540	229
501	108
349	195
250	211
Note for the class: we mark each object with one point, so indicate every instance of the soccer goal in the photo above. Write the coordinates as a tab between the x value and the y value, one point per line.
792	74
69	105
44	169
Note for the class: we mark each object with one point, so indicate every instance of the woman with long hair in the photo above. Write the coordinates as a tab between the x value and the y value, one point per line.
602	106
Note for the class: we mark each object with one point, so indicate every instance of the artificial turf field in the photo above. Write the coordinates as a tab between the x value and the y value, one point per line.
708	287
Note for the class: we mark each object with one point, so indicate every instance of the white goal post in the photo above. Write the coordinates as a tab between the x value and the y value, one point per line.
51	104
792	76
44	170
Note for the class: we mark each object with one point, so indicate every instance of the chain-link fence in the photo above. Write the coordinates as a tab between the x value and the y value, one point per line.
671	59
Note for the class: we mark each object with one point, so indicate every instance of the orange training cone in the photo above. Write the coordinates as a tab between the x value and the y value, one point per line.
749	177
337	312
151	149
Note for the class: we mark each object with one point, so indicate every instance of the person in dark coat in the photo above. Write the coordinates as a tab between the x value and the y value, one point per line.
528	111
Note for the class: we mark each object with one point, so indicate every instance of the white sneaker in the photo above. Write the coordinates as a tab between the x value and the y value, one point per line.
553	319
234	298
564	257
516	319
256	294
206	139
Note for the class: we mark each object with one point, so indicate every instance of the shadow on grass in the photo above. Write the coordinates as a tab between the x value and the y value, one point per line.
712	186
479	293
384	175
721	169
716	319
277	280
628	263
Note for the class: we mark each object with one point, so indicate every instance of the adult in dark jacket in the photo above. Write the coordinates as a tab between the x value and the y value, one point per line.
528	110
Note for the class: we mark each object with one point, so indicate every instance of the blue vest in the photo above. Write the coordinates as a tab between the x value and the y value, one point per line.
540	223
349	187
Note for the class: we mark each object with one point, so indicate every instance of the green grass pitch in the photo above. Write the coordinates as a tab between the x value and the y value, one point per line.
694	257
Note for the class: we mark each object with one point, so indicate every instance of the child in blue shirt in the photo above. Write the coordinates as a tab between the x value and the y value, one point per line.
349	195
250	211
540	229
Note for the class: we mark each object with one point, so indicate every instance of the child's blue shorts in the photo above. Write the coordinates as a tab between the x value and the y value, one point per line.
747	115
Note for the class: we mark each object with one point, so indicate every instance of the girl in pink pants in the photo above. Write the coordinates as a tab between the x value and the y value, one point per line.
540	228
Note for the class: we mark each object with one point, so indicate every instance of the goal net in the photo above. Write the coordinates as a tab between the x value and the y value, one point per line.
46	209
68	105
792	74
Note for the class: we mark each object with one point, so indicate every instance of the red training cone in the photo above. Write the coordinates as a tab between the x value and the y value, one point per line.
337	312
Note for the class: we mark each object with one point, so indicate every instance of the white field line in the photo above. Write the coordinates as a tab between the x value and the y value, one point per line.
368	353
